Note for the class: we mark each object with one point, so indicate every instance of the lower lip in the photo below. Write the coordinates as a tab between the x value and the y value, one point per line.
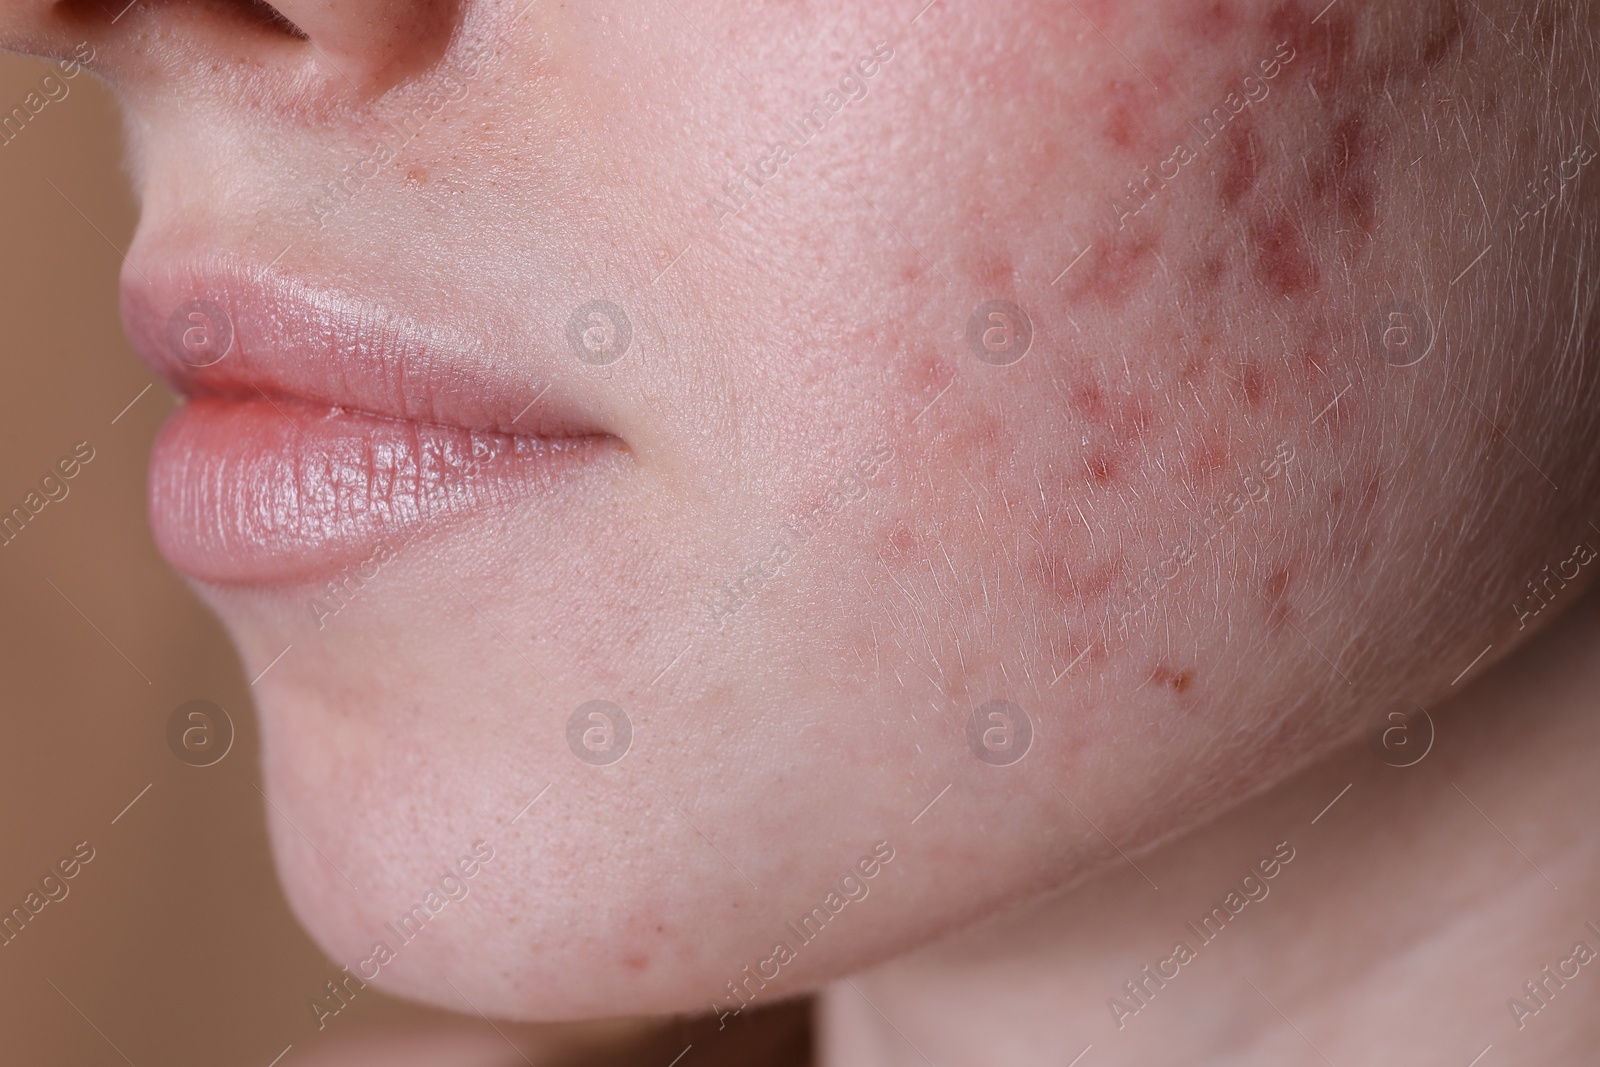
259	491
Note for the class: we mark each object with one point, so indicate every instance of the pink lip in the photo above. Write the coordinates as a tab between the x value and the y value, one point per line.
320	427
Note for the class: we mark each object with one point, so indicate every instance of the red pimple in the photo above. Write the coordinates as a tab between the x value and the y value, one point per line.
1210	273
1213	22
1177	681
1109	276
1450	34
1342	178
1089	401
1253	385
1102	466
1275	592
1120	121
1282	262
1287	21
898	545
1277	584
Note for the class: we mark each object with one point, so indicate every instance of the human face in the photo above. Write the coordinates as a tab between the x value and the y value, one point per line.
800	380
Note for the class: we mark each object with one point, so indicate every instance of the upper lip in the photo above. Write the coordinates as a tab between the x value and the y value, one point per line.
293	338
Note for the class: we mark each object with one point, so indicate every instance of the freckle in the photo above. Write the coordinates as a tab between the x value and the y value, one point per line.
636	963
416	177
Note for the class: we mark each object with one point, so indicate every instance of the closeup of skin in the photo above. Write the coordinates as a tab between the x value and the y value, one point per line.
1197	379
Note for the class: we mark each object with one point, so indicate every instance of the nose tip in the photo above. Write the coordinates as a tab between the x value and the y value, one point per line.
372	43
38	27
364	46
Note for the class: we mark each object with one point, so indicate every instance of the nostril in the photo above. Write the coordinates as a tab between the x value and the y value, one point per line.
86	13
363	45
270	16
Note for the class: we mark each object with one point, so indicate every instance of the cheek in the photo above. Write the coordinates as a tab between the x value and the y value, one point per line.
1184	331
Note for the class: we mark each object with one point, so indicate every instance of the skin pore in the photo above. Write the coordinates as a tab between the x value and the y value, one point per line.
1200	379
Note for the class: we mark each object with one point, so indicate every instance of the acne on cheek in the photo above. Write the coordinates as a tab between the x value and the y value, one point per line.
1271	230
1300	155
1235	288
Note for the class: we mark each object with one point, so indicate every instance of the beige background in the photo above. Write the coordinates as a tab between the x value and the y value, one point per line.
175	943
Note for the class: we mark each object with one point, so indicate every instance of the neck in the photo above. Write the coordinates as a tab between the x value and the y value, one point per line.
1430	913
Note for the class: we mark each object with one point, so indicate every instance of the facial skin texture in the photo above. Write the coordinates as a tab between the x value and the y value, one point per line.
1206	354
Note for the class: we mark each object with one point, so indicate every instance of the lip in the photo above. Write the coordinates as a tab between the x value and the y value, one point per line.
321	427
